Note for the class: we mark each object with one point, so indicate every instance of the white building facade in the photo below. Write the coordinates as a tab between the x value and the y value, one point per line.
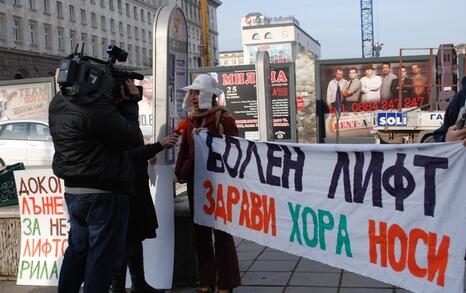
282	37
36	34
230	58
192	12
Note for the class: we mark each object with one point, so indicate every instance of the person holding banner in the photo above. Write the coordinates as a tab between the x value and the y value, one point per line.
449	131
216	266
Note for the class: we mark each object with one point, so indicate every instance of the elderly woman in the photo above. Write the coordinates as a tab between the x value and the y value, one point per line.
217	267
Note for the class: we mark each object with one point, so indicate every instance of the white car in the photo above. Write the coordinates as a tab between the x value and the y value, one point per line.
26	141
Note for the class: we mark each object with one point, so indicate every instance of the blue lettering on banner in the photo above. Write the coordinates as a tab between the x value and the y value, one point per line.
392	119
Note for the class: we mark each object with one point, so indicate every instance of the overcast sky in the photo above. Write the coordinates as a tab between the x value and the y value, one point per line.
336	24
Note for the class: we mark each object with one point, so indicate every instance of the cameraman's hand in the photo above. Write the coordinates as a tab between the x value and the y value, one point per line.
455	134
131	86
153	161
169	141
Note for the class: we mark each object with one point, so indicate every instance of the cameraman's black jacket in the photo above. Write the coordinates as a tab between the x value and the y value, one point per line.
92	141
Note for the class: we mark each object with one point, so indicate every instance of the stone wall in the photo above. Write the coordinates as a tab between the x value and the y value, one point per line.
9	247
305	89
15	64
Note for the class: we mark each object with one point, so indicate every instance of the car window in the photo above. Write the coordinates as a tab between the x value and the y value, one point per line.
39	132
14	131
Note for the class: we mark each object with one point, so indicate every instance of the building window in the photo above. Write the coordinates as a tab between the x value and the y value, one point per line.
94	46
136	33
72	18
93	20
149	18
111	6
72	40
135	12
127	9
144	56
84	42
47	42
83	17
102	3
150	37
128	31
255	36
32	4
103	23
130	54
268	36
2	27
138	59
104	47
16	3
93	2
142	15
112	26
46	6
32	33
120	28
59	9
120	7
143	35
17	29
60	36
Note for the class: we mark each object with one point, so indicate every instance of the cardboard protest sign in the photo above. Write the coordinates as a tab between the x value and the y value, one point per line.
44	227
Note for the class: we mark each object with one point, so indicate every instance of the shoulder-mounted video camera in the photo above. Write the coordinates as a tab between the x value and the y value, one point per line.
81	75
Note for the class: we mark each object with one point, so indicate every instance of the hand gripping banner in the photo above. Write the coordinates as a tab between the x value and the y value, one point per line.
395	213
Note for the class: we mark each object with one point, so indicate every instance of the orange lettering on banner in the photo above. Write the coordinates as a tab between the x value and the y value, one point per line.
269	215
209	209
396	232
414	236
220	211
232	198
437	258
374	240
256	212
437	261
244	214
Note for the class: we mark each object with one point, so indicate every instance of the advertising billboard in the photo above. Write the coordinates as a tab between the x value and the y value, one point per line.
26	99
239	87
364	89
279	53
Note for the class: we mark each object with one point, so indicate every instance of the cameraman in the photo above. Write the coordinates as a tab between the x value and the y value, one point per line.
449	131
92	143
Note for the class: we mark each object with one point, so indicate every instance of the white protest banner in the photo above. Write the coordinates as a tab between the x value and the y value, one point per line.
395	213
44	227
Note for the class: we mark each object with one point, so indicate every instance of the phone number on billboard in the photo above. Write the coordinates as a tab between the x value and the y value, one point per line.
387	104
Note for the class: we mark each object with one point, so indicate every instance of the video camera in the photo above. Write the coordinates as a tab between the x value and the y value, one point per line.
85	75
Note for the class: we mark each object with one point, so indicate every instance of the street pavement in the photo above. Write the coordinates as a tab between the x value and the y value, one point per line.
266	270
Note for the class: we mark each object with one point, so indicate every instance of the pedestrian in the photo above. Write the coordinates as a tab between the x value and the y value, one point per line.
217	262
449	131
142	217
